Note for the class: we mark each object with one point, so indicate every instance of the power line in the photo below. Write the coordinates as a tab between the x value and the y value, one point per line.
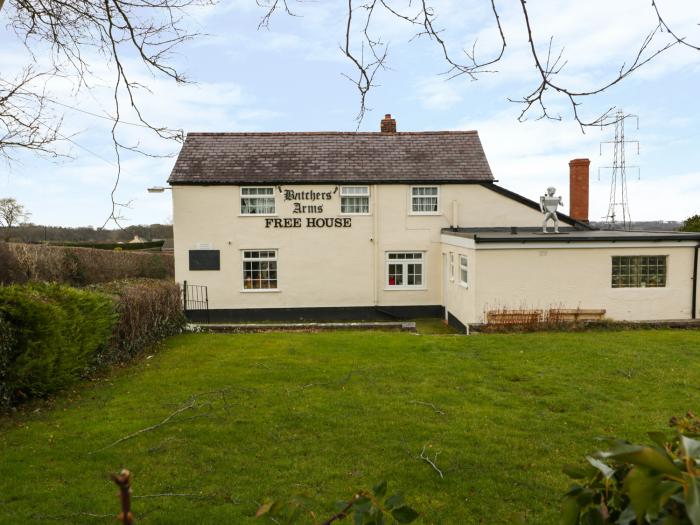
80	110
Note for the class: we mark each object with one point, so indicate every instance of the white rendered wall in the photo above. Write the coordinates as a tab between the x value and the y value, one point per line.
326	267
581	277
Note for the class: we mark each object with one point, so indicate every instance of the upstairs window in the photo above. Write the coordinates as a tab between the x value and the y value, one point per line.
354	200
424	199
639	271
260	270
463	270
405	270
258	201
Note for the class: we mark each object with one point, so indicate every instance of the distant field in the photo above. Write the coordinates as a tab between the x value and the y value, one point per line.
325	414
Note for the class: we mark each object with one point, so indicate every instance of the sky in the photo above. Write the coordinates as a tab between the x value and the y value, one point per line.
290	77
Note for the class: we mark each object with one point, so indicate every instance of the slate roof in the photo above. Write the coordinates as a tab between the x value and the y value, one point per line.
327	157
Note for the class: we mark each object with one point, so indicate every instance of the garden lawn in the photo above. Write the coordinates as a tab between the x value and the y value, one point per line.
324	414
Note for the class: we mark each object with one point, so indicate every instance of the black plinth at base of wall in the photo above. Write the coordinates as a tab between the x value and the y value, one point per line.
350	313
456	323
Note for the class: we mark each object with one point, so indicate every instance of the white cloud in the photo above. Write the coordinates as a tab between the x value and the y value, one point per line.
438	93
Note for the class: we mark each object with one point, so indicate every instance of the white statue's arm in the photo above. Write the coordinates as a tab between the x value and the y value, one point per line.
542	204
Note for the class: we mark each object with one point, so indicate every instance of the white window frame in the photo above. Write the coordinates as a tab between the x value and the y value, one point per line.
404	272
464	267
368	195
244	259
452	266
638	284
241	197
411	197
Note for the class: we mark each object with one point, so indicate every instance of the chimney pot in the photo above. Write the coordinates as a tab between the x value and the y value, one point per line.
578	189
388	124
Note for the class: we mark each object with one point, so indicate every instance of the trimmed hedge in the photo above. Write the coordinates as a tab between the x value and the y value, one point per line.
126	246
79	266
52	335
56	330
148	310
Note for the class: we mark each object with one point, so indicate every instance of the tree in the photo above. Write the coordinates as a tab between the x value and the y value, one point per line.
691	224
73	37
368	53
12	213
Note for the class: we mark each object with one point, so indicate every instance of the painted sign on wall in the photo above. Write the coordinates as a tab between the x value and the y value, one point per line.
308	202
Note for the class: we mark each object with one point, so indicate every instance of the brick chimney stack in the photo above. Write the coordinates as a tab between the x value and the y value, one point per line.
578	189
388	124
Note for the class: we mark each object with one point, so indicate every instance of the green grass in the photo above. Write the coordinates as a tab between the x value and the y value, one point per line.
433	326
324	414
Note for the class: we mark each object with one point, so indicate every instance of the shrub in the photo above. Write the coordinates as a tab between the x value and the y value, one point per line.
10	271
52	335
80	266
149	311
55	332
6	345
640	484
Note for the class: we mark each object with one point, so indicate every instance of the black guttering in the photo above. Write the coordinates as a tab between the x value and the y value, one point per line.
335	182
534	205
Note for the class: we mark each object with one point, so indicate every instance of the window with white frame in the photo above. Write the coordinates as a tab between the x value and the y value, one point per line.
463	270
424	199
260	269
639	271
354	199
258	200
405	270
452	266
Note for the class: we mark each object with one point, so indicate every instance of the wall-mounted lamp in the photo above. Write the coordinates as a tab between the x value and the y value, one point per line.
158	189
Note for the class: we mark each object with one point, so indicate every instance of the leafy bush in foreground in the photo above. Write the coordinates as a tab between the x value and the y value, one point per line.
51	335
55	332
629	484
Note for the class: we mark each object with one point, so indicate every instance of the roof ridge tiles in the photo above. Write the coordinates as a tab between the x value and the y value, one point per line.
333	133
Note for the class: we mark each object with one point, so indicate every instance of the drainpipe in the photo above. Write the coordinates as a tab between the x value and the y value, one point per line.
374	202
695	283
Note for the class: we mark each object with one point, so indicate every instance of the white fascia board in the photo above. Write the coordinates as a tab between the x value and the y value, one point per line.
461	242
579	245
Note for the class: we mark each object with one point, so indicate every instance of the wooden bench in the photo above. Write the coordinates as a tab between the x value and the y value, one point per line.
568	315
553	315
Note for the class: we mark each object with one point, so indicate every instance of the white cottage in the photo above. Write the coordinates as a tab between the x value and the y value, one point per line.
401	224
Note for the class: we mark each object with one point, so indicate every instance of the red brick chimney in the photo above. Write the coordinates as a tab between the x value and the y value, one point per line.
388	124
578	189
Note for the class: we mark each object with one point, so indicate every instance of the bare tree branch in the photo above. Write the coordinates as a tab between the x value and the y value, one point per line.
372	55
75	32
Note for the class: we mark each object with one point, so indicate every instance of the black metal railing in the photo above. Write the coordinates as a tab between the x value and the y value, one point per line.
195	302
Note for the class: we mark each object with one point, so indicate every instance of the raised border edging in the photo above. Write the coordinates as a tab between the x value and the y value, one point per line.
246	328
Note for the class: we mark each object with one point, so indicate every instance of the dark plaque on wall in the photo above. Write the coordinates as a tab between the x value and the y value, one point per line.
204	260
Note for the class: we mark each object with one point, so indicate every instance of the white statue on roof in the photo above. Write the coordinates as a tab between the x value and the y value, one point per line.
548	205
